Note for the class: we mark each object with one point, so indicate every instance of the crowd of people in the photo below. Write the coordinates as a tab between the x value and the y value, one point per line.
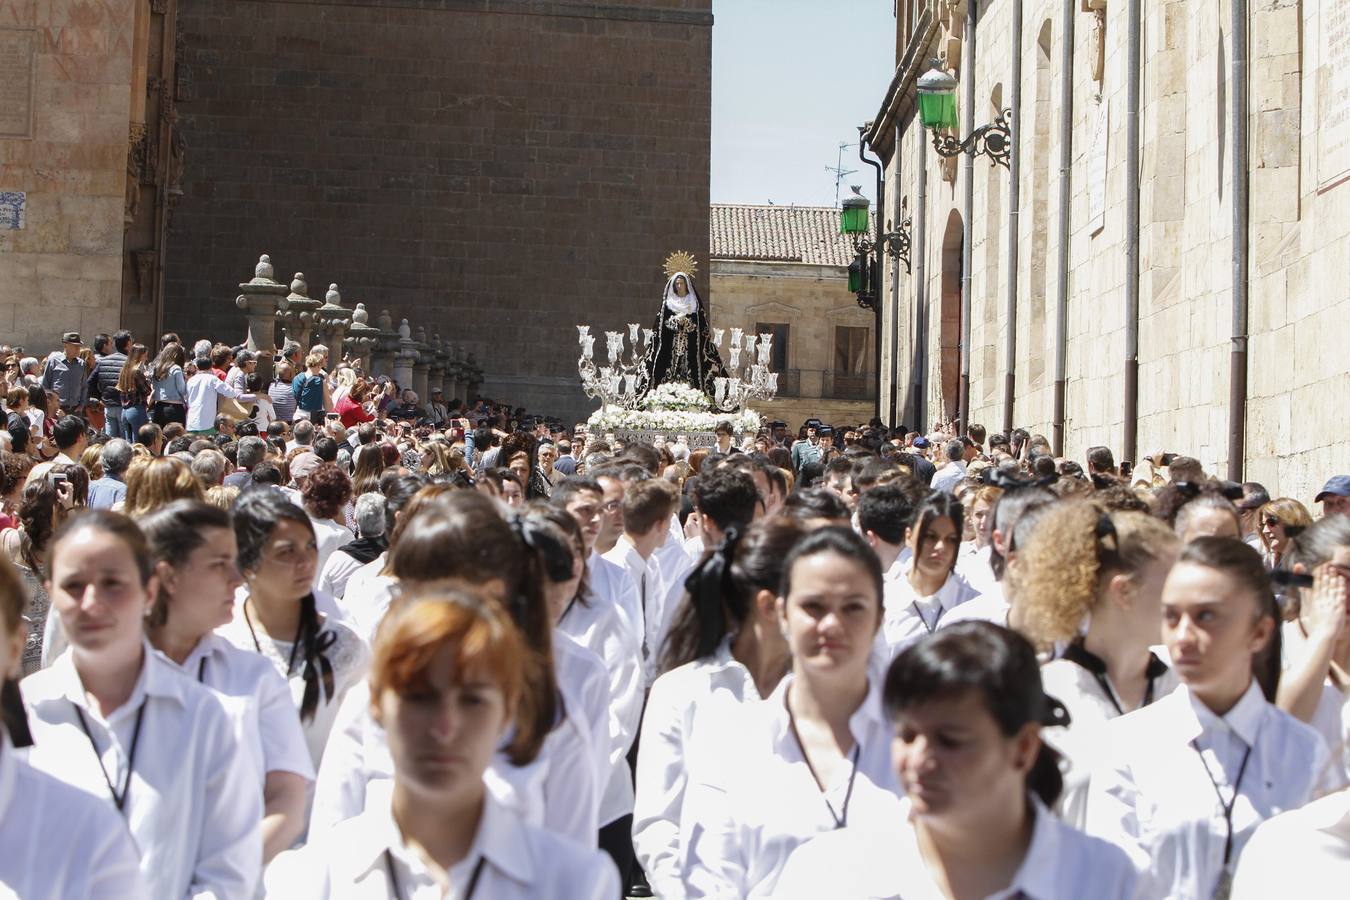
315	637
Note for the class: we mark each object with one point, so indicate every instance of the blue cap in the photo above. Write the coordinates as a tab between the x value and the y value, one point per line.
921	442
1336	486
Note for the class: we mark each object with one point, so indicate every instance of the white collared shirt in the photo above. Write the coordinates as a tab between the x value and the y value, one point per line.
584	683
194	806
1303	853
746	816
334	575
602	625
1083	744
348	655
1154	797
258	698
910	617
1061	863
974	567
352	862
554	791
649	601
329	535
58	841
683	703
367	596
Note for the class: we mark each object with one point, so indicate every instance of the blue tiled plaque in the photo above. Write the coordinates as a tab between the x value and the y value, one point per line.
11	210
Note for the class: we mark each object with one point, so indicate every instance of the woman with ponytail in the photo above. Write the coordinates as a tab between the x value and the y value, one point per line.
277	614
1090	582
1187	780
724	649
967	707
450	540
59	841
197	565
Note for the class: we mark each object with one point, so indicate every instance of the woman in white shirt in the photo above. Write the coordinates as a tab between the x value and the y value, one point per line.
968	707
117	720
1187	779
449	538
1315	687
447	681
197	566
812	757
1091	582
277	616
58	840
724	650
929	586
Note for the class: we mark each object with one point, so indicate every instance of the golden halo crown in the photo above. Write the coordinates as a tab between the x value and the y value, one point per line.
681	261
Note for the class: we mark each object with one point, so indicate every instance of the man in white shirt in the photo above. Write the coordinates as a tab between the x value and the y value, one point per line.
884	517
647	506
950	475
203	392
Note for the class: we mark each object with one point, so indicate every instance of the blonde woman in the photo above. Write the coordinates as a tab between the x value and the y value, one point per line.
1281	520
157	483
1091	582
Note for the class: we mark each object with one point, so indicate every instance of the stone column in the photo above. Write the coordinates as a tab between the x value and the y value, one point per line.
260	299
454	373
331	320
422	367
300	307
436	380
386	345
405	357
362	337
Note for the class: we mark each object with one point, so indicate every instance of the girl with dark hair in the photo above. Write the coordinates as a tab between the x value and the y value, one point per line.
445	691
133	388
724	650
814	756
278	615
196	564
1187	779
59	841
45	504
169	386
119	721
449	540
967	707
929	586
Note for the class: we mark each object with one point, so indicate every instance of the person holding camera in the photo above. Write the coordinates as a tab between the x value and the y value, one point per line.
46	502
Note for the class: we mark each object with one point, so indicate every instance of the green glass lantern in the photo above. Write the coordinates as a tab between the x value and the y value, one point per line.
857	276
937	99
853	218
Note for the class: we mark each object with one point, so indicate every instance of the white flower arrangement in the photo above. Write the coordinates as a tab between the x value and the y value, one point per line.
675	397
670	422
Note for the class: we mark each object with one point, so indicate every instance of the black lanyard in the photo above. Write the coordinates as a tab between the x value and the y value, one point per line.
295	645
201	670
918	611
119	798
1078	654
840	821
398	890
570	603
1228	806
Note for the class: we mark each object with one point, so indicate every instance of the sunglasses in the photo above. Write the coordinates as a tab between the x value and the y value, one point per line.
1271	521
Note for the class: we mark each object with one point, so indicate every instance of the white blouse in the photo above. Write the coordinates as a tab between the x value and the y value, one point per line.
260	701
1303	853
1173	766
745	817
682	704
192	799
58	841
556	791
347	654
1079	681
910	617
602	626
365	858
584	684
366	597
648	601
1061	863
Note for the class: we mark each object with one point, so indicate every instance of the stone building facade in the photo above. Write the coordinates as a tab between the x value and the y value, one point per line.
784	269
66	102
1071	230
498	172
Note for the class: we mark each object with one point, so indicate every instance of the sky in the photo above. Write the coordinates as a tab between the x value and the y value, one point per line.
792	80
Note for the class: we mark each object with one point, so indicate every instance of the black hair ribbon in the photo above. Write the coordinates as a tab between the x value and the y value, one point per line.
708	585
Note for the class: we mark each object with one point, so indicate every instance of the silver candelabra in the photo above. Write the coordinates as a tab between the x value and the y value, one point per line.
754	380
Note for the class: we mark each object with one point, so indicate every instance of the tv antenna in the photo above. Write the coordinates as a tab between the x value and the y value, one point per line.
840	173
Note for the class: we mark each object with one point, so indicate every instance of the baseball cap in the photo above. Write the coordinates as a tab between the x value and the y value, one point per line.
1336	486
921	442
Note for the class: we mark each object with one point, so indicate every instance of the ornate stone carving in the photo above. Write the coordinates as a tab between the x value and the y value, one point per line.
1098	59
135	174
143	267
404	331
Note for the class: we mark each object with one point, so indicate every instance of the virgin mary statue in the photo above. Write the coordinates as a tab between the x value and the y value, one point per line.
681	347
